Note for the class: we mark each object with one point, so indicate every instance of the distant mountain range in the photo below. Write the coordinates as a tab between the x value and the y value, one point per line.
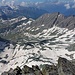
35	10
65	8
6	12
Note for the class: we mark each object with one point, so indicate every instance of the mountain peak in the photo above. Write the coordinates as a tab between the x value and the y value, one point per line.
48	20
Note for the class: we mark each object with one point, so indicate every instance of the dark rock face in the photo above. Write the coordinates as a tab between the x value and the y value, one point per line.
16	71
24	71
27	70
3	43
49	70
64	67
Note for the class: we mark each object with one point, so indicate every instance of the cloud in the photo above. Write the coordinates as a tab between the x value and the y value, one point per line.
3	1
23	4
12	2
7	2
67	6
73	6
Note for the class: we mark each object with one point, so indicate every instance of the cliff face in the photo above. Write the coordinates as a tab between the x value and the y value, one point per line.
64	67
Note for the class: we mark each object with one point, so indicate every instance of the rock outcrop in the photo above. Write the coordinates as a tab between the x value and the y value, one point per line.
64	67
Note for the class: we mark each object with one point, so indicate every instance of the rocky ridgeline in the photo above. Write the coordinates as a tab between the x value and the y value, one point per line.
64	67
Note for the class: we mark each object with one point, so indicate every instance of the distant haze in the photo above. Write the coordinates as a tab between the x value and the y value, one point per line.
7	2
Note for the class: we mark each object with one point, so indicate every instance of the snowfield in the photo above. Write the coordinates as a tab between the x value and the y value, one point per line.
52	43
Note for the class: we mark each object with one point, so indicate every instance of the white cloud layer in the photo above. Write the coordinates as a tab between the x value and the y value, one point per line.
67	6
73	6
23	4
3	1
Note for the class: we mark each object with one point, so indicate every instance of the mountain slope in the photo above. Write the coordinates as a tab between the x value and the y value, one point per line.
39	41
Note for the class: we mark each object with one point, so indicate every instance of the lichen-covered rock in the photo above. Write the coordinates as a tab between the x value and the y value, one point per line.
5	73
27	70
49	70
37	70
65	67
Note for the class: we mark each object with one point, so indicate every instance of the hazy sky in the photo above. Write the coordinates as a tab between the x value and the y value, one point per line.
7	2
37	0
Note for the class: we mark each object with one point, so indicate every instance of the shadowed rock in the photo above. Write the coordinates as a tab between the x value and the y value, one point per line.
65	67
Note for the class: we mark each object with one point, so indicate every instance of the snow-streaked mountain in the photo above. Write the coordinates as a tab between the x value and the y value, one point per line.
37	42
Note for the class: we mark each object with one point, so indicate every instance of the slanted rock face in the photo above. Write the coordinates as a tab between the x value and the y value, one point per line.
65	67
5	73
16	71
27	70
37	70
49	70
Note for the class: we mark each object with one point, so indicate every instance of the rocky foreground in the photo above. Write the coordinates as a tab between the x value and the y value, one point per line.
64	67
